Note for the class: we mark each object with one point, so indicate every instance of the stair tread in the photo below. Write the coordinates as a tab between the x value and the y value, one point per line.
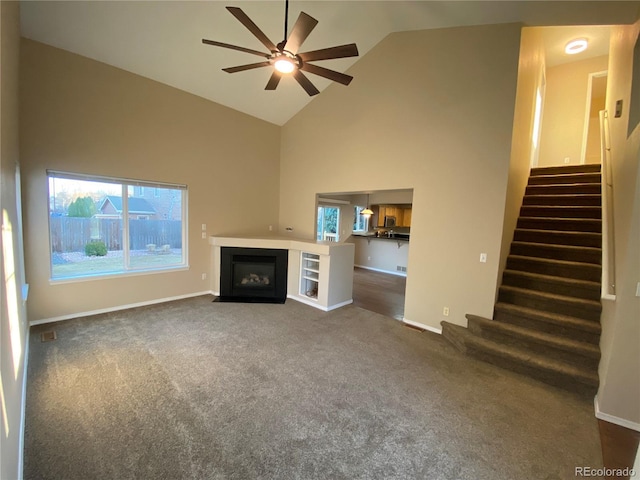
549	317
526	357
555	261
558	232
562	219
576	346
553	296
553	278
561	207
565	195
558	246
585	167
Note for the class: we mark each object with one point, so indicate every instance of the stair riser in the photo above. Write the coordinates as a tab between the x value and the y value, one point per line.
568	200
567	189
564	179
564	169
583	271
560	306
555	253
564	381
559	238
587	225
549	286
572	358
546	327
561	212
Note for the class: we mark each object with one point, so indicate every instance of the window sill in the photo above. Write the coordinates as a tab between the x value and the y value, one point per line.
108	276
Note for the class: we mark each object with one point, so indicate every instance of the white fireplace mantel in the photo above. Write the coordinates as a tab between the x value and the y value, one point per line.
334	272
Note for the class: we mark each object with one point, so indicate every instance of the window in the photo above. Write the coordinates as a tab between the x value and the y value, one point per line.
360	222
328	223
103	226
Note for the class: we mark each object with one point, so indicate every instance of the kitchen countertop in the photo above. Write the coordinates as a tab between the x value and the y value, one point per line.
373	237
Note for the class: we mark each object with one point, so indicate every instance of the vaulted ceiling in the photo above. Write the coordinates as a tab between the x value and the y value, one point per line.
161	40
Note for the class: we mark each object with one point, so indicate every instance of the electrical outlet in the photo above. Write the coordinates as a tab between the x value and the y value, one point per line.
271	228
567	160
445	311
204	276
483	258
204	235
369	258
204	227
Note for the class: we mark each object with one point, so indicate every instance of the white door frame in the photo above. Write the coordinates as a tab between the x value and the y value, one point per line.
587	111
538	111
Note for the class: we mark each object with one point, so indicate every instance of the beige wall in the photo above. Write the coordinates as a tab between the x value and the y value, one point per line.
14	328
530	73
565	107
79	115
619	393
414	117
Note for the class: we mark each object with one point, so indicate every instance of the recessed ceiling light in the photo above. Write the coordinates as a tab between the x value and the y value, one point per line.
576	46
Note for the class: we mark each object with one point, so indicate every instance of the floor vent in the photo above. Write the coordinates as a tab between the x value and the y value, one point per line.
48	336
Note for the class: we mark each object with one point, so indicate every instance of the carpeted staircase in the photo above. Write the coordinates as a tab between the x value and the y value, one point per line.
547	318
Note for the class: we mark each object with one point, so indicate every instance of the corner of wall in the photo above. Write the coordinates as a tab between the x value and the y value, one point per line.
530	68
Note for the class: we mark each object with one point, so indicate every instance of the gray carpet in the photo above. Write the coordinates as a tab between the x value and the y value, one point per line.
202	390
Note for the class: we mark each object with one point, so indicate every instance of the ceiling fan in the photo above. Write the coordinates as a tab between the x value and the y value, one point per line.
284	56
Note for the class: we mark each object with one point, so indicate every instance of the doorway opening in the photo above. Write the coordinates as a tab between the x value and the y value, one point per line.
381	248
596	96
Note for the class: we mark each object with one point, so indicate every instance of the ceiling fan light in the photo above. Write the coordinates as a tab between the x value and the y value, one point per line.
576	46
284	65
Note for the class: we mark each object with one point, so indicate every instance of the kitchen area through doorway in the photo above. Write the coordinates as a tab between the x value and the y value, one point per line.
378	223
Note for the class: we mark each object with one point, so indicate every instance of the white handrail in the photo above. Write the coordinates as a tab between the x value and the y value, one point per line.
608	239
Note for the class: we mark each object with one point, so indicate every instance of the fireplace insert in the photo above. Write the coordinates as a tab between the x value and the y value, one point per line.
256	275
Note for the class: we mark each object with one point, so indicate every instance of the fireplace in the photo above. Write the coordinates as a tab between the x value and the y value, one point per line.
253	275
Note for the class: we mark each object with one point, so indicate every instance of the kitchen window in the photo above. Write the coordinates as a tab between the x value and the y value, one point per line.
361	222
106	226
328	227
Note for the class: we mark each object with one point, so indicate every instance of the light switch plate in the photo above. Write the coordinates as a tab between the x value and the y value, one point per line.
638	290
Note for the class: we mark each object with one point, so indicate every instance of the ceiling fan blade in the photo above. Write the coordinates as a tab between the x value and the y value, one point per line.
342	51
326	73
305	83
274	80
250	66
301	30
252	27
235	47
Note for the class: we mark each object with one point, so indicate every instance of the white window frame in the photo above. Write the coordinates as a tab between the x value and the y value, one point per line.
358	209
125	183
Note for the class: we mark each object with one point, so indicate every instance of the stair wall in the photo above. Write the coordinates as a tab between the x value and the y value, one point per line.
546	321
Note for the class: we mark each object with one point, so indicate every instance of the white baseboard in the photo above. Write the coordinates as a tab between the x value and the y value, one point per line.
339	305
314	304
423	326
399	274
23	409
613	419
117	308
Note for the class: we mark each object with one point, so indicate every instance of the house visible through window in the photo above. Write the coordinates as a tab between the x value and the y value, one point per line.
104	226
